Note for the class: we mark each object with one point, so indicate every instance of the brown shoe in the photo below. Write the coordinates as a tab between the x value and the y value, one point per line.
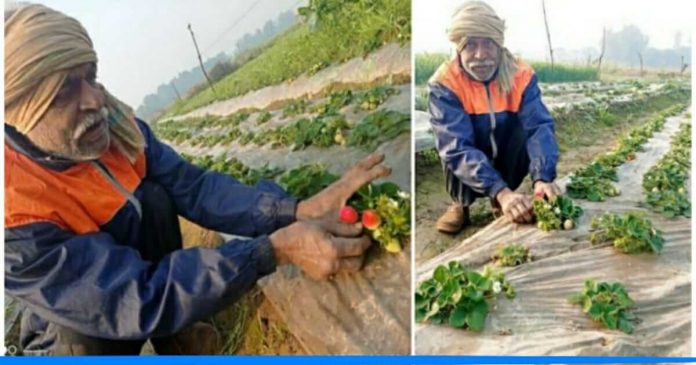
198	339
454	219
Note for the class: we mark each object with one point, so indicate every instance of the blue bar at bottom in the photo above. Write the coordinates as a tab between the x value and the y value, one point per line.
347	360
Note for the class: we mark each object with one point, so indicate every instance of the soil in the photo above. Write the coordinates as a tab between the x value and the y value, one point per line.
432	200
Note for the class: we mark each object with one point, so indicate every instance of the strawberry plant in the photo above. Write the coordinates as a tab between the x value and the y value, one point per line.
379	127
386	213
670	203
630	233
607	303
601	115
307	180
592	188
385	209
294	108
560	213
459	297
598	170
610	159
593	182
375	97
264	173
665	183
245	138
321	132
233	119
262	137
332	106
512	255
263	117
234	167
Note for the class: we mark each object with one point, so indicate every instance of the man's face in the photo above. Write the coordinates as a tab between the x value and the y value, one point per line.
75	125
480	57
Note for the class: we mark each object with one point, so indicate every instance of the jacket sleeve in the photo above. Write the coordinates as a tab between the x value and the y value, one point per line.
217	201
454	139
93	285
539	129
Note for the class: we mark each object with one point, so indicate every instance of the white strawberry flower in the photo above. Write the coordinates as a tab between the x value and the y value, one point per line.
497	288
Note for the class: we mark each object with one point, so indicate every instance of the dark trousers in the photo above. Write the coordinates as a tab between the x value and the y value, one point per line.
512	163
160	235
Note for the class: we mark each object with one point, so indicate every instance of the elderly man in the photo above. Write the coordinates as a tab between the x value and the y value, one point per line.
490	124
92	243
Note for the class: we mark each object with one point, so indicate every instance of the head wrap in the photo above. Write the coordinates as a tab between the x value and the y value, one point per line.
41	46
478	19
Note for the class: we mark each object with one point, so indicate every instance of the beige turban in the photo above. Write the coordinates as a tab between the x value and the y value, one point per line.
478	19
41	46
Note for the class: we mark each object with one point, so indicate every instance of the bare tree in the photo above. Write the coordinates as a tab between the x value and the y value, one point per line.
548	34
200	60
601	55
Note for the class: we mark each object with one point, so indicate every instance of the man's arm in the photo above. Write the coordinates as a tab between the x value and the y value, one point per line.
454	136
539	129
95	286
217	201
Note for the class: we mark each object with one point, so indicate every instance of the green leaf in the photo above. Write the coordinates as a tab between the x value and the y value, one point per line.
441	274
421	314
434	309
625	326
421	301
476	319
458	317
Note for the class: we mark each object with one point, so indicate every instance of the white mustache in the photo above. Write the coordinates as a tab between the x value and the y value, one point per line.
91	119
486	63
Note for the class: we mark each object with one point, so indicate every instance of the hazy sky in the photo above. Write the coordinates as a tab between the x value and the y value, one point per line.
141	44
574	24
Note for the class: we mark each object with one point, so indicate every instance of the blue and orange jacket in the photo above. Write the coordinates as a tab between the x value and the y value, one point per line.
71	233
467	136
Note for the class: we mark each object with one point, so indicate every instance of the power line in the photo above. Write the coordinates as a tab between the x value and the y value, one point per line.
239	20
233	25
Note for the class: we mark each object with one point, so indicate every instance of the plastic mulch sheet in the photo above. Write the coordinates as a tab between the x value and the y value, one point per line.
337	159
540	321
368	312
389	62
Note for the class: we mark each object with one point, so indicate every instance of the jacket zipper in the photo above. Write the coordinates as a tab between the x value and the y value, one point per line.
491	113
131	198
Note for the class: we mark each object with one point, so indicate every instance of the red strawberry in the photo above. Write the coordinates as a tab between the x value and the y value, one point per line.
370	219
348	215
630	157
538	195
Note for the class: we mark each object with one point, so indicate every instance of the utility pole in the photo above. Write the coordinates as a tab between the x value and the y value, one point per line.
640	58
200	60
548	34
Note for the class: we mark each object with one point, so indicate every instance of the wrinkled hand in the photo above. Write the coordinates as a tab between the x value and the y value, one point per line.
329	201
321	249
546	190
516	206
